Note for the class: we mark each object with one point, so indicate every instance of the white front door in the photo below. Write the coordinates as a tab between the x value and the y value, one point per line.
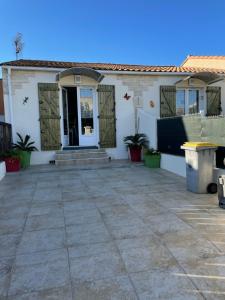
87	116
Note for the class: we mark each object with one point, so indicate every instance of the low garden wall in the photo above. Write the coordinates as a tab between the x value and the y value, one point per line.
2	170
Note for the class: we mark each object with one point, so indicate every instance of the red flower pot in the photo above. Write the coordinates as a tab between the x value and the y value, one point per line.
12	164
135	154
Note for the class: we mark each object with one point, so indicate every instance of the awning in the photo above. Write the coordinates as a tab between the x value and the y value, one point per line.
207	77
80	71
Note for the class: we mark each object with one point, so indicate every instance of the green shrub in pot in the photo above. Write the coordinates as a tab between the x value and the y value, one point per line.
152	158
24	147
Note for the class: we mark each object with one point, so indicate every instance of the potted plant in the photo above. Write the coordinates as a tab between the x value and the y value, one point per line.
152	158
24	148
11	159
135	143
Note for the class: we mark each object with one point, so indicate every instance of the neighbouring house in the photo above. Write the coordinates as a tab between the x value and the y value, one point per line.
1	102
70	104
202	61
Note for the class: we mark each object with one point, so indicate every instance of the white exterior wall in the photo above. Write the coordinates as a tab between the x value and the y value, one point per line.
142	88
26	116
174	164
2	170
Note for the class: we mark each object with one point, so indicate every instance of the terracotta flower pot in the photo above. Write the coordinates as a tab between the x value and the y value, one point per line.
135	154
12	164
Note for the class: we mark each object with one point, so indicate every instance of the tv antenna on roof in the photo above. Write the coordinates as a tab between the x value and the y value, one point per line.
18	44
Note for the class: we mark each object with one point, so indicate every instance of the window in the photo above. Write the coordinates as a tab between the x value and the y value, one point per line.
180	102
86	107
193	101
187	101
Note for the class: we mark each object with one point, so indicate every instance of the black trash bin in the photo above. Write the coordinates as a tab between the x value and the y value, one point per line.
221	191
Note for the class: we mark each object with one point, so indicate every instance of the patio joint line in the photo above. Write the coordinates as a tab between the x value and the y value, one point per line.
17	245
118	250
67	251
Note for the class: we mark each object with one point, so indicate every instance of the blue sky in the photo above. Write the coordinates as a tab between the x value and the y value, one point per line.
154	32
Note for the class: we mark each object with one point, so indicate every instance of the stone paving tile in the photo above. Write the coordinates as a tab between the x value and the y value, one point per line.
44	222
188	247
114	288
74	216
49	195
18	211
130	231
61	293
76	196
41	240
5	270
8	244
101	266
161	284
165	223
38	209
87	233
39	271
12	225
108	200
79	205
14	202
91	249
147	257
208	275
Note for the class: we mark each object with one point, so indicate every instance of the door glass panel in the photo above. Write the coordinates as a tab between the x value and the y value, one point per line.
193	101
86	108
180	102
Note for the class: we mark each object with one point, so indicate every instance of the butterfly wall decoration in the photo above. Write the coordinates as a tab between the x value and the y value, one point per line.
126	96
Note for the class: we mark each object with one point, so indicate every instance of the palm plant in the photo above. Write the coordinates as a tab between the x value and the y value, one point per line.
24	144
138	140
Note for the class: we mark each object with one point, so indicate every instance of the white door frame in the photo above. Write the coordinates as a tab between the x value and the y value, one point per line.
67	117
87	140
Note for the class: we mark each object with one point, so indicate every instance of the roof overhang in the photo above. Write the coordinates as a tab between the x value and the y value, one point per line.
91	73
207	77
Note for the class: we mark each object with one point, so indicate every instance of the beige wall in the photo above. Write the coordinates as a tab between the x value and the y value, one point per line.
213	63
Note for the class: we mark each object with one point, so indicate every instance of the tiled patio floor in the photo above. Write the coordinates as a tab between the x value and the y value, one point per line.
119	232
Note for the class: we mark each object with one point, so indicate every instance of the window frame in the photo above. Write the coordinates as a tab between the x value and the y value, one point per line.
186	98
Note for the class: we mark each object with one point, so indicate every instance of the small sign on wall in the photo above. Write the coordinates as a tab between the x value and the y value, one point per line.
77	79
152	103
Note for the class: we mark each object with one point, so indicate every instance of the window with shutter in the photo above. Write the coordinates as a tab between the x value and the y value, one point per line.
49	116
213	94
167	101
107	116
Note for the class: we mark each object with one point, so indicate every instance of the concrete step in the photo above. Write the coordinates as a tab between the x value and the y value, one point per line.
81	161
80	157
80	151
80	154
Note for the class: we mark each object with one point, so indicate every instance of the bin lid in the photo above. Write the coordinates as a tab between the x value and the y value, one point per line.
199	145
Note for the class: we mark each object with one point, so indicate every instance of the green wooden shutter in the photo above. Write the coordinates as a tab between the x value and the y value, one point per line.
107	118
213	94
167	101
49	116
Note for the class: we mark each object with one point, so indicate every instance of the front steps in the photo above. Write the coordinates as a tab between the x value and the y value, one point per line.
80	157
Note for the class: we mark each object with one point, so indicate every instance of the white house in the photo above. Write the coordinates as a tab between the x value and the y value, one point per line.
69	104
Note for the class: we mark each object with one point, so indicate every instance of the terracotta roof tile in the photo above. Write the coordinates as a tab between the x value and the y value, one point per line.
107	66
